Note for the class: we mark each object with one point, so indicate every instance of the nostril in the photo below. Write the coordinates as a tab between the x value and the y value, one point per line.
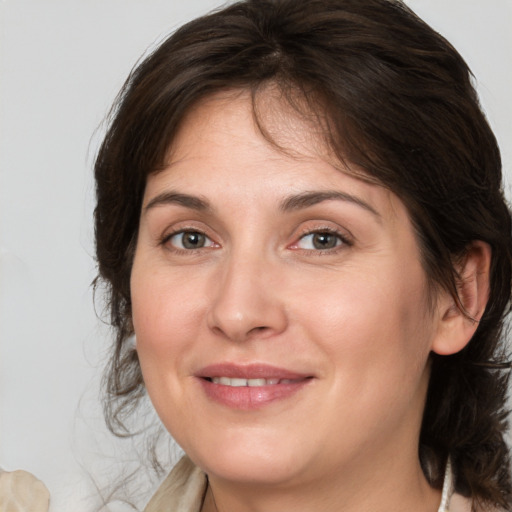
258	329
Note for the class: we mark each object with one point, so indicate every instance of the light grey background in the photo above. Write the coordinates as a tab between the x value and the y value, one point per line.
61	65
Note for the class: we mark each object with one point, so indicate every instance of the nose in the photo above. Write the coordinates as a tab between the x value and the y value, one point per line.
247	302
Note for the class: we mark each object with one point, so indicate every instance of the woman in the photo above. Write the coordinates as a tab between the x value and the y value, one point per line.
300	217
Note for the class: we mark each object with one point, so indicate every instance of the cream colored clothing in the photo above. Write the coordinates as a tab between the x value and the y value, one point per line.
184	489
21	491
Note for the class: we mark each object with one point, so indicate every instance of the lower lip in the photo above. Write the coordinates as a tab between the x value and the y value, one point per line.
248	398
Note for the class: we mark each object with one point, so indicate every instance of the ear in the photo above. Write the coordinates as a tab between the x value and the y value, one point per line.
456	327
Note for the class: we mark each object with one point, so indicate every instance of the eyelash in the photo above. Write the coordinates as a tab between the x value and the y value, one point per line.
166	239
342	241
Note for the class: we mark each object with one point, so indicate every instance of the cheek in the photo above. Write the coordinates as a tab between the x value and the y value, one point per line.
374	322
165	318
164	323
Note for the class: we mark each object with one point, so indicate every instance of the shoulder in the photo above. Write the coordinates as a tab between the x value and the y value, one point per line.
21	490
182	490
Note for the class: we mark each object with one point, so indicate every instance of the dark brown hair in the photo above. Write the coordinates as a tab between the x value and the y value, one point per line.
391	96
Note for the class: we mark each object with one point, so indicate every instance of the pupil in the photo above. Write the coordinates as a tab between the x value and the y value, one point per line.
193	240
324	241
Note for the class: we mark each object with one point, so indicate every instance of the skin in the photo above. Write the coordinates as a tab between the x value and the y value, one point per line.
354	317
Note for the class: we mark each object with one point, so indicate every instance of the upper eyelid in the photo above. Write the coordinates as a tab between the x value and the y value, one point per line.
343	233
190	225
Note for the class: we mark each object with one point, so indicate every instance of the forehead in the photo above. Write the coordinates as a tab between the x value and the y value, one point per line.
284	121
232	149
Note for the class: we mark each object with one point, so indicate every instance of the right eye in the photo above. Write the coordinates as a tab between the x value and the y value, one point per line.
189	240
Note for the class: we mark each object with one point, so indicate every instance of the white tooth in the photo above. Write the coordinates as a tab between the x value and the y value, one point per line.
225	381
256	382
216	380
272	382
237	383
285	381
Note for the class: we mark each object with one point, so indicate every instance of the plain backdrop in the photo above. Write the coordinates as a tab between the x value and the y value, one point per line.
61	65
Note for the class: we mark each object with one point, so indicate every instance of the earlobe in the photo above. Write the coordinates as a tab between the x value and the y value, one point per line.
457	325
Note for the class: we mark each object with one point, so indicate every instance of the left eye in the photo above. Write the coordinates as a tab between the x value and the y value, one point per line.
322	240
190	240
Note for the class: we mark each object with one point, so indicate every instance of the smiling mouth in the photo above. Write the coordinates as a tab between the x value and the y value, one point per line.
246	389
250	386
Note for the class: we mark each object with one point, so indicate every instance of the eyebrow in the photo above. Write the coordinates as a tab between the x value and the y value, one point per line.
307	199
292	203
171	197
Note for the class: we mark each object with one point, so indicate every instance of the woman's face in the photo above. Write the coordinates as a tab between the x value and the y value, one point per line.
280	305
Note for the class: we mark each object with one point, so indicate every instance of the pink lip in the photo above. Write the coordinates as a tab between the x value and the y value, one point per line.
250	397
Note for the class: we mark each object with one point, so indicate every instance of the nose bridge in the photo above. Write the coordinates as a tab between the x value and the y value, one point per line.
245	299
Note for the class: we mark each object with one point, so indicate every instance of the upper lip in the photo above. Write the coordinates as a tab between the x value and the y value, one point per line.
248	371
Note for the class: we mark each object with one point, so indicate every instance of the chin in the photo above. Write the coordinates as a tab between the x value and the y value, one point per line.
265	462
